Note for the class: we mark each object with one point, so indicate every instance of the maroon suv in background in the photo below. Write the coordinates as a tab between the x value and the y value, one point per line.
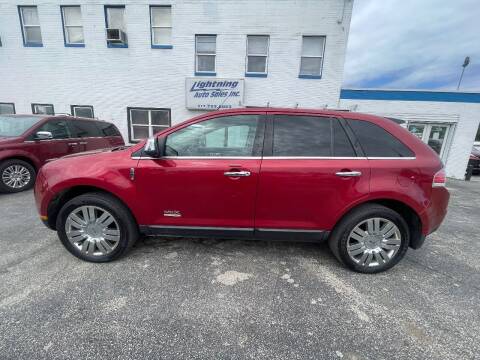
29	141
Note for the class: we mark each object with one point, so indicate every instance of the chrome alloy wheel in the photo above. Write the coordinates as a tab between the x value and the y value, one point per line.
92	230
16	176
374	242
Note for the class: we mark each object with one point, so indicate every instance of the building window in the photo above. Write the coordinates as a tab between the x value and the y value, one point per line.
7	108
85	111
257	55
311	63
115	26
32	35
205	53
145	122
72	26
43	109
161	31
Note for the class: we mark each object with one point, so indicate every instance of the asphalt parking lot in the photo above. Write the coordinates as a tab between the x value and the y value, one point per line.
187	298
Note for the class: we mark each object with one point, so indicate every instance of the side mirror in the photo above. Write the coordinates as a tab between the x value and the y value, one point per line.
154	147
43	135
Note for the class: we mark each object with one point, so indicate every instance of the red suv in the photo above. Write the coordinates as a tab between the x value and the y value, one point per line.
29	141
362	182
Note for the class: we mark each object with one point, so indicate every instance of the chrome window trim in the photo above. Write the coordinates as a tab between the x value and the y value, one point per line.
198	157
392	158
314	158
274	157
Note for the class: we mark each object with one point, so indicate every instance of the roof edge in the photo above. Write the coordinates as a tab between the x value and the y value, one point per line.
410	95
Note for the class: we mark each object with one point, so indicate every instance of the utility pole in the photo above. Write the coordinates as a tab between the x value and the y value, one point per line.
465	64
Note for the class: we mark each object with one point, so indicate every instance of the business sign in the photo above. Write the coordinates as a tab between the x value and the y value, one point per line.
213	94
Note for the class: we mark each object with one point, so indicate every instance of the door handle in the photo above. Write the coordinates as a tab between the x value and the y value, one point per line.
72	144
348	173
83	143
236	173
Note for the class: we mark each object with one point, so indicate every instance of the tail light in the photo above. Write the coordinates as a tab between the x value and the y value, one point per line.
439	179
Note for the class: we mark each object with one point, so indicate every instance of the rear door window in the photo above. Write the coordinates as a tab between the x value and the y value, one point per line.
342	147
301	136
377	142
310	136
108	129
83	129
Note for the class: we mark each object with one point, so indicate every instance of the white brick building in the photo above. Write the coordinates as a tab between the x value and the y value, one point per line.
447	121
60	56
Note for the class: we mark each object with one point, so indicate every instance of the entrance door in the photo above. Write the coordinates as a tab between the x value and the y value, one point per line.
208	178
435	135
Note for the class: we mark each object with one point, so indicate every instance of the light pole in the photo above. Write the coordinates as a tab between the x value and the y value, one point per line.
465	64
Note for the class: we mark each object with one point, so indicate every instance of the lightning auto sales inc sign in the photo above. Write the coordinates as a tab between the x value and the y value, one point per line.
213	94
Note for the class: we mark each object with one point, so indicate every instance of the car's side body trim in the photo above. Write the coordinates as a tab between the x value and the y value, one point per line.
240	233
273	158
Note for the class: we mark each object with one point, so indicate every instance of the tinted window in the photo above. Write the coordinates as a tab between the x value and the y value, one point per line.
108	129
301	136
341	144
58	128
222	136
376	142
84	128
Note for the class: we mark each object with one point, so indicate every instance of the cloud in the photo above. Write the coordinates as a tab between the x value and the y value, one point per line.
413	44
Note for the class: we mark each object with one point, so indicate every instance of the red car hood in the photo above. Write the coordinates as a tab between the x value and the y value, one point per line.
92	152
8	140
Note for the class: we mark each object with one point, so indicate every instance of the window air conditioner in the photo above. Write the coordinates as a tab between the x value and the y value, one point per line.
116	36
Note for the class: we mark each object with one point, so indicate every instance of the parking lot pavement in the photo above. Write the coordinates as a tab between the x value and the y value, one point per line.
186	298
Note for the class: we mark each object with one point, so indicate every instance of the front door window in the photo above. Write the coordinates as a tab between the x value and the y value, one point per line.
228	136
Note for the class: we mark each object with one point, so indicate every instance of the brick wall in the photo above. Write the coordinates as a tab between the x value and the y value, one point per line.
111	79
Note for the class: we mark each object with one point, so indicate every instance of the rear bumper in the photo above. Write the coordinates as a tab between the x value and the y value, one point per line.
436	211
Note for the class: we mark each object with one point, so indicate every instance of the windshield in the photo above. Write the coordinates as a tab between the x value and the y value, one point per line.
16	125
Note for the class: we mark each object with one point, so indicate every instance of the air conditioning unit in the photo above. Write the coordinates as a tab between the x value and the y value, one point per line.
116	36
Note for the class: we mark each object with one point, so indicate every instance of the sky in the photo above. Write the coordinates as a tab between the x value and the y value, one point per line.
413	44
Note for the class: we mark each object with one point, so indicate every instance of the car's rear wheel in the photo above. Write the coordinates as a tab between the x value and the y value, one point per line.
16	175
370	239
96	227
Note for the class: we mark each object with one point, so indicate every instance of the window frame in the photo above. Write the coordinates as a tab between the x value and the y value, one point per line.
72	110
65	26
258	142
105	9
41	104
160	46
269	146
23	26
206	73
266	56
131	139
12	104
358	142
322	57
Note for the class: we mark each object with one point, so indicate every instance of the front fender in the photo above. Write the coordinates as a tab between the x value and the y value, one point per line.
17	153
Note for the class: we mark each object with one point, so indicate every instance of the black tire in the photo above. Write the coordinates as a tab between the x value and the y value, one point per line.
7	164
339	238
127	225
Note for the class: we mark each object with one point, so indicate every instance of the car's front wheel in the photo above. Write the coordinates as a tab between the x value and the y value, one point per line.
16	175
96	227
370	239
